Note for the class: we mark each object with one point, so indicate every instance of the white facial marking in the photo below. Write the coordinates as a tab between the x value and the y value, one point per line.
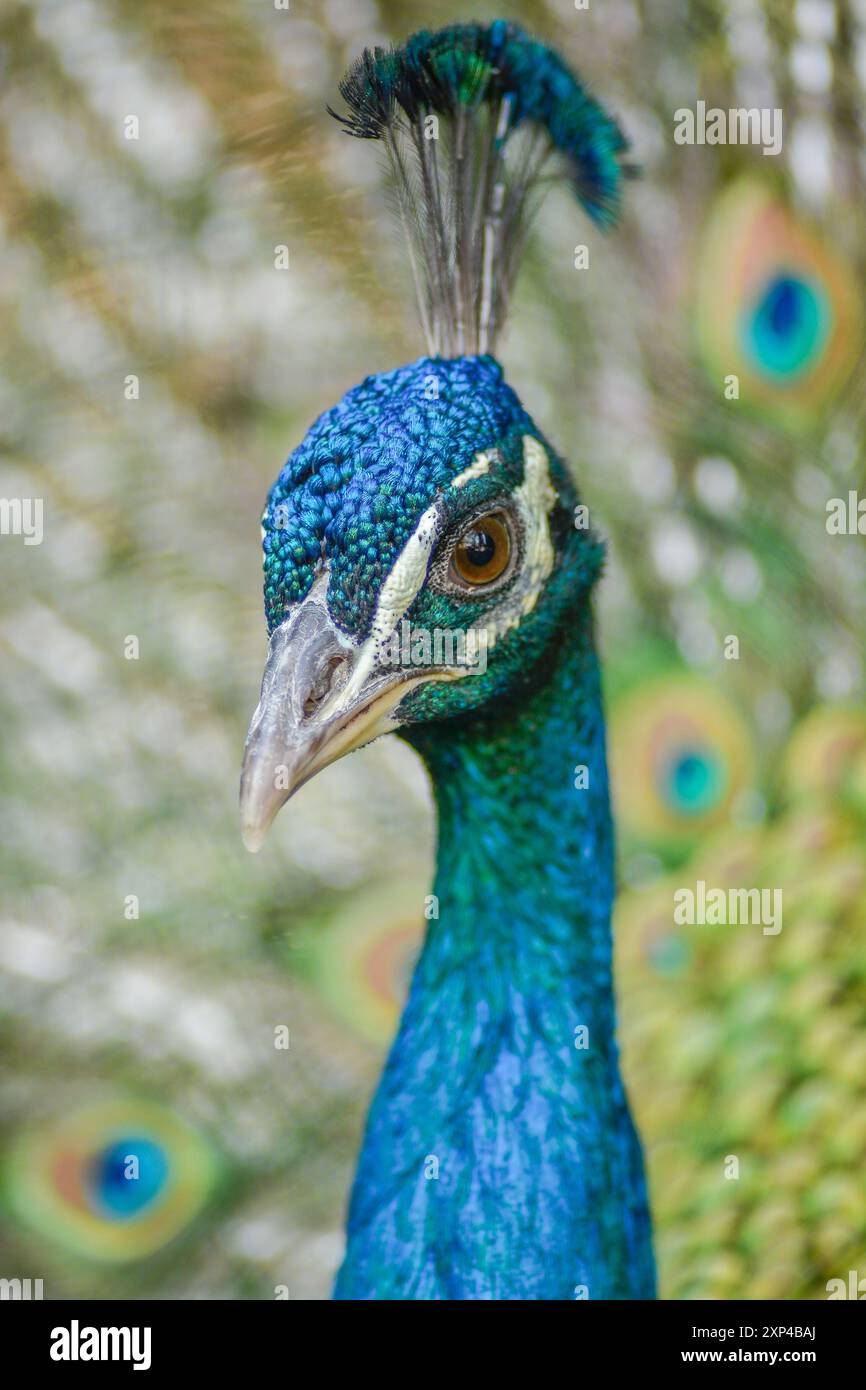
535	500
398	591
477	468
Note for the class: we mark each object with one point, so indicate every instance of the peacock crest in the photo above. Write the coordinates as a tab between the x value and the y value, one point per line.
476	121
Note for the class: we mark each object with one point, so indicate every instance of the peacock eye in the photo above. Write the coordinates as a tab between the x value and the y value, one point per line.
482	553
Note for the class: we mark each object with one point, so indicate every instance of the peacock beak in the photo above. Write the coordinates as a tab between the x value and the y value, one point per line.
321	697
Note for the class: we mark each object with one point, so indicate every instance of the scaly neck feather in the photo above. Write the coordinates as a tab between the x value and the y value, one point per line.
500	1160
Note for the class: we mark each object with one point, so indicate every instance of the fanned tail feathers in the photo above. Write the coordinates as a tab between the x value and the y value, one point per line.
472	117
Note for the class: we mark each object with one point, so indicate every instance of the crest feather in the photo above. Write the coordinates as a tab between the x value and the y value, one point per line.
472	117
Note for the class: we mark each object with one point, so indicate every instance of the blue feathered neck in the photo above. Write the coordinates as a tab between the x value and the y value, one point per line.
500	1160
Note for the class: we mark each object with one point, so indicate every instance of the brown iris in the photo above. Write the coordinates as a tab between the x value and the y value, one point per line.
483	551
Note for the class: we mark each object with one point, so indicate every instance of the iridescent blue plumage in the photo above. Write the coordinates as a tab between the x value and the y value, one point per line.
353	489
500	1160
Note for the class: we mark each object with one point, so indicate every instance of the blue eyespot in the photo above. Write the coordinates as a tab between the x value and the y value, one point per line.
127	1176
788	327
694	780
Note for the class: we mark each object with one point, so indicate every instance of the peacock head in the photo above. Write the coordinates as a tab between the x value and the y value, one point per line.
421	555
421	560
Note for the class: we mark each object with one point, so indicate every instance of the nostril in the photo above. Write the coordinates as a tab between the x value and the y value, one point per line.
327	680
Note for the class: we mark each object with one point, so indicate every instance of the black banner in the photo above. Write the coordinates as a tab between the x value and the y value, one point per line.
223	1338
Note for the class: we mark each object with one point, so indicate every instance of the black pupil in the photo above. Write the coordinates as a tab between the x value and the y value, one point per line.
479	548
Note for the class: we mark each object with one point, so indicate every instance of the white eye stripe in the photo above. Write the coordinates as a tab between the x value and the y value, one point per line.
398	591
535	499
477	468
408	574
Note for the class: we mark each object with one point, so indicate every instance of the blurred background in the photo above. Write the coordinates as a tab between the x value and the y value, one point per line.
156	368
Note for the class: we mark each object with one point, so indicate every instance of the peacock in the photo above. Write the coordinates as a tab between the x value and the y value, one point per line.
500	1159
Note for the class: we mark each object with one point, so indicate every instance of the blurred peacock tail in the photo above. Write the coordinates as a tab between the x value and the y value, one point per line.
500	1159
680	757
362	961
774	305
114	1182
761	1153
824	758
